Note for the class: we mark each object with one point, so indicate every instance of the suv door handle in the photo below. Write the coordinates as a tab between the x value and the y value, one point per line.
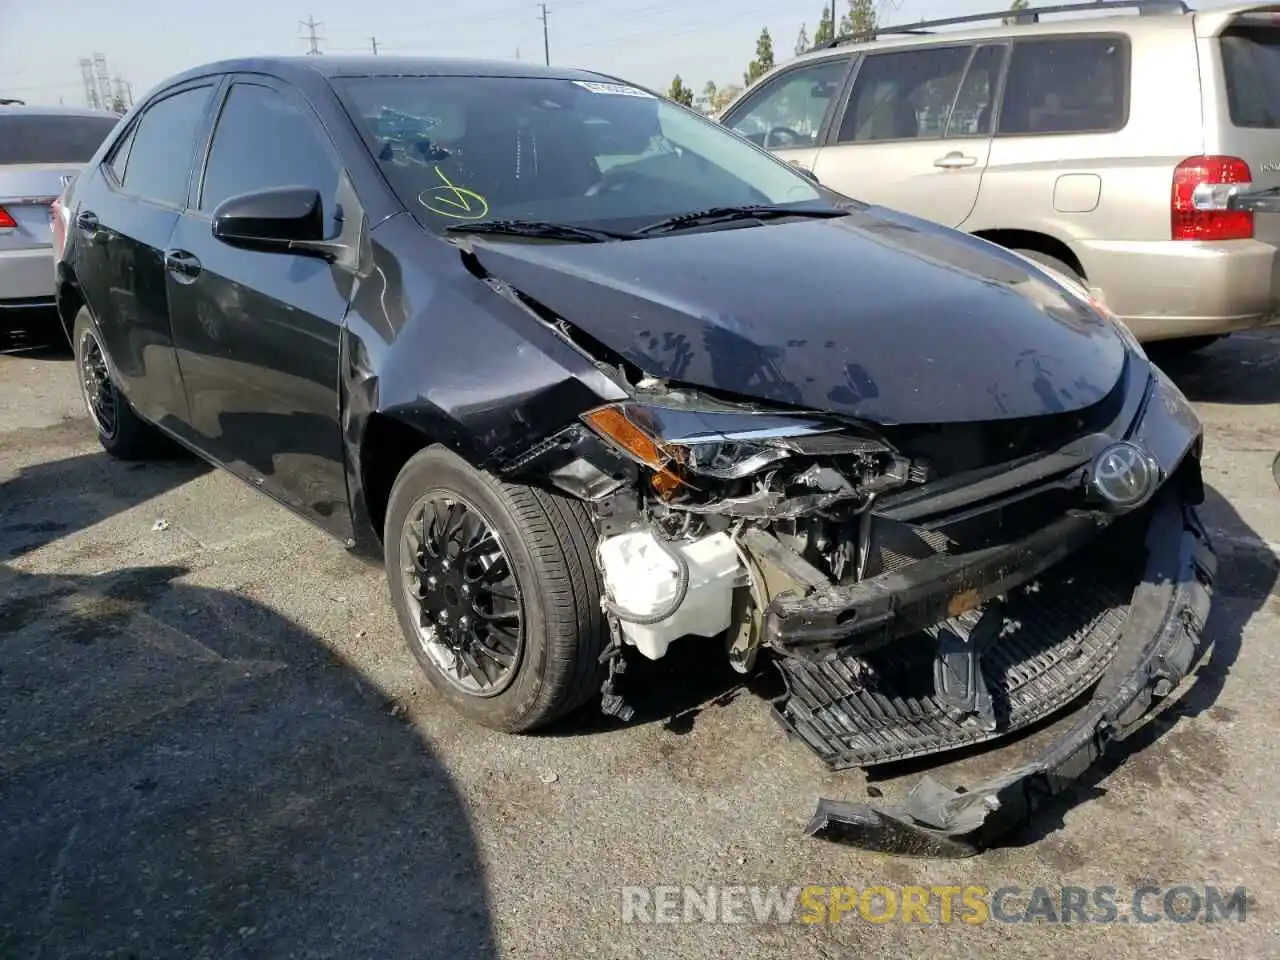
182	266
954	161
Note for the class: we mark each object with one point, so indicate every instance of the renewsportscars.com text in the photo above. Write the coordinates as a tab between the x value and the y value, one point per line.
937	904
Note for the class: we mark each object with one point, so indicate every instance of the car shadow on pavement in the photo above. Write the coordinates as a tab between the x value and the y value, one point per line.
185	772
1243	369
47	501
37	334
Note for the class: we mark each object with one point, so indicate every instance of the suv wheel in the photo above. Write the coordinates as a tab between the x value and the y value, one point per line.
122	433
496	591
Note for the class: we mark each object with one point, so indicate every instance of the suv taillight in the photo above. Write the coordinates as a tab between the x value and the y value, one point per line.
1201	188
6	221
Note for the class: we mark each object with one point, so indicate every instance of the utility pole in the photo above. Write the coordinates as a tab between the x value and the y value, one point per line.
546	42
835	24
374	42
311	24
103	81
90	83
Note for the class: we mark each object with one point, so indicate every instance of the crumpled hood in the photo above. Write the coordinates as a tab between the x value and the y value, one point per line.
876	315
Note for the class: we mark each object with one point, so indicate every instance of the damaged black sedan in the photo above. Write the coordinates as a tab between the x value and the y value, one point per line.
591	373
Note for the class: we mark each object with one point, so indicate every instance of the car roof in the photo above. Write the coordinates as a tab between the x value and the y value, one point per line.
16	109
306	69
1093	21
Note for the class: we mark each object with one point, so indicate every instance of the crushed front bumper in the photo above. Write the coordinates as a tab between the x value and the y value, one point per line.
1159	642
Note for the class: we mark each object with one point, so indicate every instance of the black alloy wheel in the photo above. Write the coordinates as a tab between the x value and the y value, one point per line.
496	590
458	578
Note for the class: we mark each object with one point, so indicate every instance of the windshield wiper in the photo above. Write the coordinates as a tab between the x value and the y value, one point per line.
541	229
702	218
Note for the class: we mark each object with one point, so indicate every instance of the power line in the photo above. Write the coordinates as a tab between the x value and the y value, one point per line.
311	24
546	42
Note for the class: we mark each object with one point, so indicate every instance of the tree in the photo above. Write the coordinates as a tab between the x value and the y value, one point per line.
1016	6
680	93
725	96
860	20
709	92
802	41
763	62
826	31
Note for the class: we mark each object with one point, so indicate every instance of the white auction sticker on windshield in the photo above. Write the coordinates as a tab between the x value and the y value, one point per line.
617	89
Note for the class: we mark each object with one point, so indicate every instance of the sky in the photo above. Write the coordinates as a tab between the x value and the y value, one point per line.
645	41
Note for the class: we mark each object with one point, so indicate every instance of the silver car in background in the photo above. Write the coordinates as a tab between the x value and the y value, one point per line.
41	150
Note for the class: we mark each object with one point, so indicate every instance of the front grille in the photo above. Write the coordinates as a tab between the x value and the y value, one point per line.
1060	634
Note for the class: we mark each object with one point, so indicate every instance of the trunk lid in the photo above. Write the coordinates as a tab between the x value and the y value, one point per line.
26	191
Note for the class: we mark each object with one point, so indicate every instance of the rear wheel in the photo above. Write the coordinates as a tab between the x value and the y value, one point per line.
122	433
496	591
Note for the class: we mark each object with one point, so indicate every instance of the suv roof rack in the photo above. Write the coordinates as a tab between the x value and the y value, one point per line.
1026	15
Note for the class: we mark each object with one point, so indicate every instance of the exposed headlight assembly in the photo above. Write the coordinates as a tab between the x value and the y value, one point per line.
679	445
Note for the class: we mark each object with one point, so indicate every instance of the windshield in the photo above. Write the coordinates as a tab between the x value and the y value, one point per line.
51	138
603	155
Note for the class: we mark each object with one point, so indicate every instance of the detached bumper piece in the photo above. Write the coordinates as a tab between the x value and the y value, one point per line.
1085	632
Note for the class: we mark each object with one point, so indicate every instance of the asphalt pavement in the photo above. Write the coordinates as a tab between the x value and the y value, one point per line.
213	743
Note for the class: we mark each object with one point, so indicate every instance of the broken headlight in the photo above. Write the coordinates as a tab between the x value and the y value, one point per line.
720	444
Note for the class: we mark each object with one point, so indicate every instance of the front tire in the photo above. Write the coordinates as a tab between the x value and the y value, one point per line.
122	433
496	591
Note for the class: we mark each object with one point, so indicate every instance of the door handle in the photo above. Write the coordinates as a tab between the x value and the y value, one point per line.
954	161
182	266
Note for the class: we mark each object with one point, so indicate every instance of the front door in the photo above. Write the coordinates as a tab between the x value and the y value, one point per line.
786	114
125	214
257	334
916	132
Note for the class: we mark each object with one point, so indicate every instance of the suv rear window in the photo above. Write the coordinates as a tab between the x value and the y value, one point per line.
1067	85
1251	64
49	138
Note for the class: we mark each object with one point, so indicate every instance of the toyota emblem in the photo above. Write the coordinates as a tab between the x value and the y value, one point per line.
1124	475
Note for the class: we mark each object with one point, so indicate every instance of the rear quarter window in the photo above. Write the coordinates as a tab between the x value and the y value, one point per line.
1251	66
1066	85
51	138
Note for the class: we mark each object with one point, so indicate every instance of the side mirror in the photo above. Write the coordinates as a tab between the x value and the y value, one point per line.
278	220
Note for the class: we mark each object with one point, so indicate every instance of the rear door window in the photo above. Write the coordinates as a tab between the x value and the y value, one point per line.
904	96
50	138
159	160
1251	64
975	103
1067	85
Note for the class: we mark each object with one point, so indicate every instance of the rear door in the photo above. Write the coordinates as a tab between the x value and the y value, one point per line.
1240	70
257	333
789	113
915	133
122	219
38	152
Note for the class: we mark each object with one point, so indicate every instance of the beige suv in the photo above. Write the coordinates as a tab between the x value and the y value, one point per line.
1134	150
